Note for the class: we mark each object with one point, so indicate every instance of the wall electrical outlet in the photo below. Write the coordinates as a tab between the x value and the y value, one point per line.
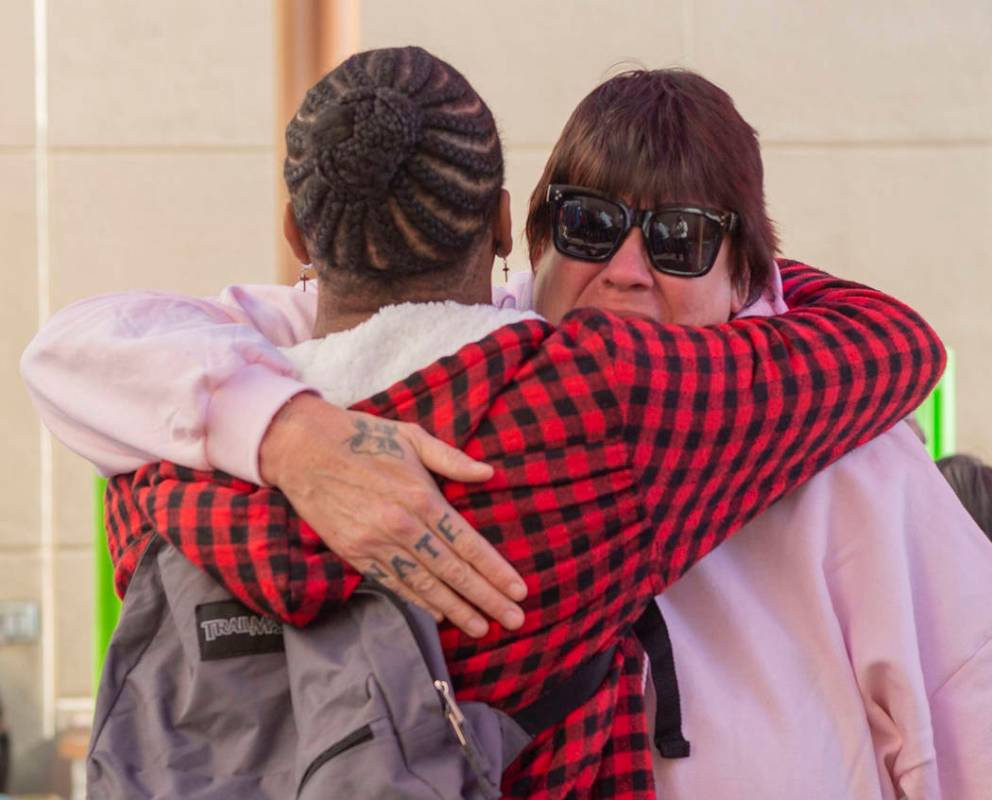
19	622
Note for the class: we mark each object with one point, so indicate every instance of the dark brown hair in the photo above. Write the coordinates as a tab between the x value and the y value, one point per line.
663	136
394	166
972	483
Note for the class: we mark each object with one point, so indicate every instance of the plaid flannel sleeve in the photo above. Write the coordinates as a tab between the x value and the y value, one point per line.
244	536
723	421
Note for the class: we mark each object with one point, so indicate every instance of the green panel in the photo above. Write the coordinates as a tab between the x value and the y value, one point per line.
106	605
937	414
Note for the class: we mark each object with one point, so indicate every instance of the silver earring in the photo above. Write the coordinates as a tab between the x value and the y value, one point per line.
305	276
506	270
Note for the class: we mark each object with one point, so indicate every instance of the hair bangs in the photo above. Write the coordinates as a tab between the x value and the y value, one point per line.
646	179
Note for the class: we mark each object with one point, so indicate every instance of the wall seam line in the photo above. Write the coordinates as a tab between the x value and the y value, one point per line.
46	495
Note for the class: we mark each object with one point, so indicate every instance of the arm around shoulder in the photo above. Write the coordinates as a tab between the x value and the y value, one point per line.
724	420
132	378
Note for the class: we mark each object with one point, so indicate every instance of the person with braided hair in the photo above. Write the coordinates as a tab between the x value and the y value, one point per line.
619	458
397	175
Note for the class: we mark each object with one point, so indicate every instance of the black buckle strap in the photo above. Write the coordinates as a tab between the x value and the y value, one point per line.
652	632
556	704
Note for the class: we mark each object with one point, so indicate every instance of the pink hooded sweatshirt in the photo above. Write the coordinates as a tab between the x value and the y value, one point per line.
852	662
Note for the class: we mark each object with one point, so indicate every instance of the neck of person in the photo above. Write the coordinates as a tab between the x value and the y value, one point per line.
335	321
340	308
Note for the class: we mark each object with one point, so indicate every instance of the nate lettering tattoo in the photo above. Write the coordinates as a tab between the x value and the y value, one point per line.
425	544
375	439
445	527
376	573
402	566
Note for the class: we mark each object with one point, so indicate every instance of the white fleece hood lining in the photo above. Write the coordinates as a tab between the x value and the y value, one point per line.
395	342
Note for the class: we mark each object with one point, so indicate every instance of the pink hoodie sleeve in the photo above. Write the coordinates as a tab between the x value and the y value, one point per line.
131	378
127	379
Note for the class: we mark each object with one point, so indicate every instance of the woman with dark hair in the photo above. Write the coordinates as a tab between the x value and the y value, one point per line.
600	244
660	139
849	661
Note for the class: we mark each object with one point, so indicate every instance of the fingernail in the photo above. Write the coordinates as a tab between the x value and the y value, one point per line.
477	627
518	590
513	619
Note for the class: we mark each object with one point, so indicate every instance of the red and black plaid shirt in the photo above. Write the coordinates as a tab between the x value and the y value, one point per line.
624	452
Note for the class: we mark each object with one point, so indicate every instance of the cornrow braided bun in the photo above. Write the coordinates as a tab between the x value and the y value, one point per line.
361	140
394	165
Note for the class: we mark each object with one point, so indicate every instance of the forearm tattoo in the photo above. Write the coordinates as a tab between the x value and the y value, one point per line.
375	439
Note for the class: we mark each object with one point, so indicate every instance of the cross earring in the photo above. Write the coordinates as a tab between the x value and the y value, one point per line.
506	270
305	276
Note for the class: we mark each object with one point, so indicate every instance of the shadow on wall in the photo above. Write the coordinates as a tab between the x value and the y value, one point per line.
4	751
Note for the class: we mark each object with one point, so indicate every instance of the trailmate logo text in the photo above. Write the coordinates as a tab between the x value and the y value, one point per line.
244	625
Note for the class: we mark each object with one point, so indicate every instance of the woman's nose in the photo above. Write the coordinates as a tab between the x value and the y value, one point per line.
630	267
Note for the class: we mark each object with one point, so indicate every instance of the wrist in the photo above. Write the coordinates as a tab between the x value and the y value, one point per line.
283	436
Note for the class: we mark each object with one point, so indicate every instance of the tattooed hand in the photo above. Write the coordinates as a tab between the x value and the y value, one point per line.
375	439
362	484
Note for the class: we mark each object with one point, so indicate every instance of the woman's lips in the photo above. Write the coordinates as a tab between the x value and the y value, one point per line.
630	313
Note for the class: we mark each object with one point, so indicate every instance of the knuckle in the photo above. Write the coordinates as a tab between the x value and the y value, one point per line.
424	583
421	502
470	548
457	575
460	616
412	536
357	544
397	521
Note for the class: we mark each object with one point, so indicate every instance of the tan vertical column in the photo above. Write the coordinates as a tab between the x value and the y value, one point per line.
312	37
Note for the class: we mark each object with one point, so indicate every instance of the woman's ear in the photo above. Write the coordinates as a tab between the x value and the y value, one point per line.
502	226
738	297
536	252
293	235
740	284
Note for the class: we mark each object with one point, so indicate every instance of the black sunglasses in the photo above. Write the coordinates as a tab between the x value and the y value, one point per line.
680	240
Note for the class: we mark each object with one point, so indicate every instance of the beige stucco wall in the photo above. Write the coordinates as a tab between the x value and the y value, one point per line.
876	123
160	170
19	490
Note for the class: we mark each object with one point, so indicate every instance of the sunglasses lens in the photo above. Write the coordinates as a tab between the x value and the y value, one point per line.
684	242
588	227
